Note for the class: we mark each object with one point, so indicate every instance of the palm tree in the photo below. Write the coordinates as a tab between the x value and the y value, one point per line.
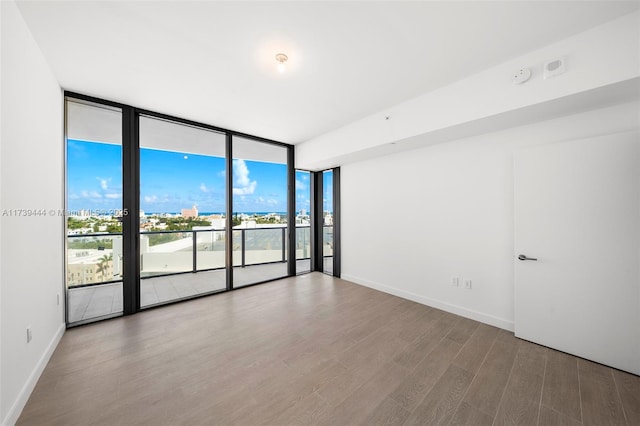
103	264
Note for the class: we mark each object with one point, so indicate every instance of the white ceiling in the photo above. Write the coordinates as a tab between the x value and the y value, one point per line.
213	61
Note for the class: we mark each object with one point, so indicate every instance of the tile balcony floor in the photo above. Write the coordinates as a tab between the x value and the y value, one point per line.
87	304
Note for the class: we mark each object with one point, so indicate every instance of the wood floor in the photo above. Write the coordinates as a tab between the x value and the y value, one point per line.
318	350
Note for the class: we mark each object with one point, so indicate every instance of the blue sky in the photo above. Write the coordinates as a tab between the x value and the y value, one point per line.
171	181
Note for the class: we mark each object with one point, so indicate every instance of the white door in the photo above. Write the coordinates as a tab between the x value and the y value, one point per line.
577	211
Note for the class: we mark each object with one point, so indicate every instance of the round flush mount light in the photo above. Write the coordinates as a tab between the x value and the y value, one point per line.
282	60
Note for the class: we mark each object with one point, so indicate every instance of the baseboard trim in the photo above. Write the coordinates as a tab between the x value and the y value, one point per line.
438	304
25	392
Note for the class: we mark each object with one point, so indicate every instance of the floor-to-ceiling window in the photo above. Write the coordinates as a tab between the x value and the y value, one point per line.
260	211
182	211
327	221
161	209
303	221
94	211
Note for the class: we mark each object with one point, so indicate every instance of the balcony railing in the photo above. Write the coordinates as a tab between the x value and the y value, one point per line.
94	259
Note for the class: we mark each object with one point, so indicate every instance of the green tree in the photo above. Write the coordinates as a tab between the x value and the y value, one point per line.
103	265
114	228
75	223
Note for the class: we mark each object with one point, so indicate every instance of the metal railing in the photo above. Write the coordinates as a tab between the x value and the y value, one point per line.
94	259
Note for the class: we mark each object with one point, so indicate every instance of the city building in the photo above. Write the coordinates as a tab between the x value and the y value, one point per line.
187	213
486	178
89	271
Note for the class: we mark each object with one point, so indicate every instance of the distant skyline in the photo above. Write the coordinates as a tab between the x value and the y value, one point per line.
172	181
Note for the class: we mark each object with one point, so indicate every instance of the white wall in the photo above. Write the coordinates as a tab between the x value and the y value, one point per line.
413	220
31	265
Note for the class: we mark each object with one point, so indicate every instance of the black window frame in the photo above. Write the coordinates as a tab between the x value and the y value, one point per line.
131	199
317	221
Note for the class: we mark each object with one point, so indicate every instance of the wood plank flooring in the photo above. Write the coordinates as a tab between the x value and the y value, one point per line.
318	350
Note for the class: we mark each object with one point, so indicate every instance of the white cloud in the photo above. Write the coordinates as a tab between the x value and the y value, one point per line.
104	183
112	196
241	172
204	188
90	194
247	190
263	201
150	198
300	185
245	186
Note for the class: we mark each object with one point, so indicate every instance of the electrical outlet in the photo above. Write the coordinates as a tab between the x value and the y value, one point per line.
29	335
467	284
455	281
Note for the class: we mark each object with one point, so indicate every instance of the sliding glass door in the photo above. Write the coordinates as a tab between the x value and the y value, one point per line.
182	211
260	211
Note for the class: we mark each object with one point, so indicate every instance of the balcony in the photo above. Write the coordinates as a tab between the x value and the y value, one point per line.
176	265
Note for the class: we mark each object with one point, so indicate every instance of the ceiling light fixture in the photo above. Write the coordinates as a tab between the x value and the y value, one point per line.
282	60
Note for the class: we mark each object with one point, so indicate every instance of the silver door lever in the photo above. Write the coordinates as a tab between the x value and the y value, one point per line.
523	257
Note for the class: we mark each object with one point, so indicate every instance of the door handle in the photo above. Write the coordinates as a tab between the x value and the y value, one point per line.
523	257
